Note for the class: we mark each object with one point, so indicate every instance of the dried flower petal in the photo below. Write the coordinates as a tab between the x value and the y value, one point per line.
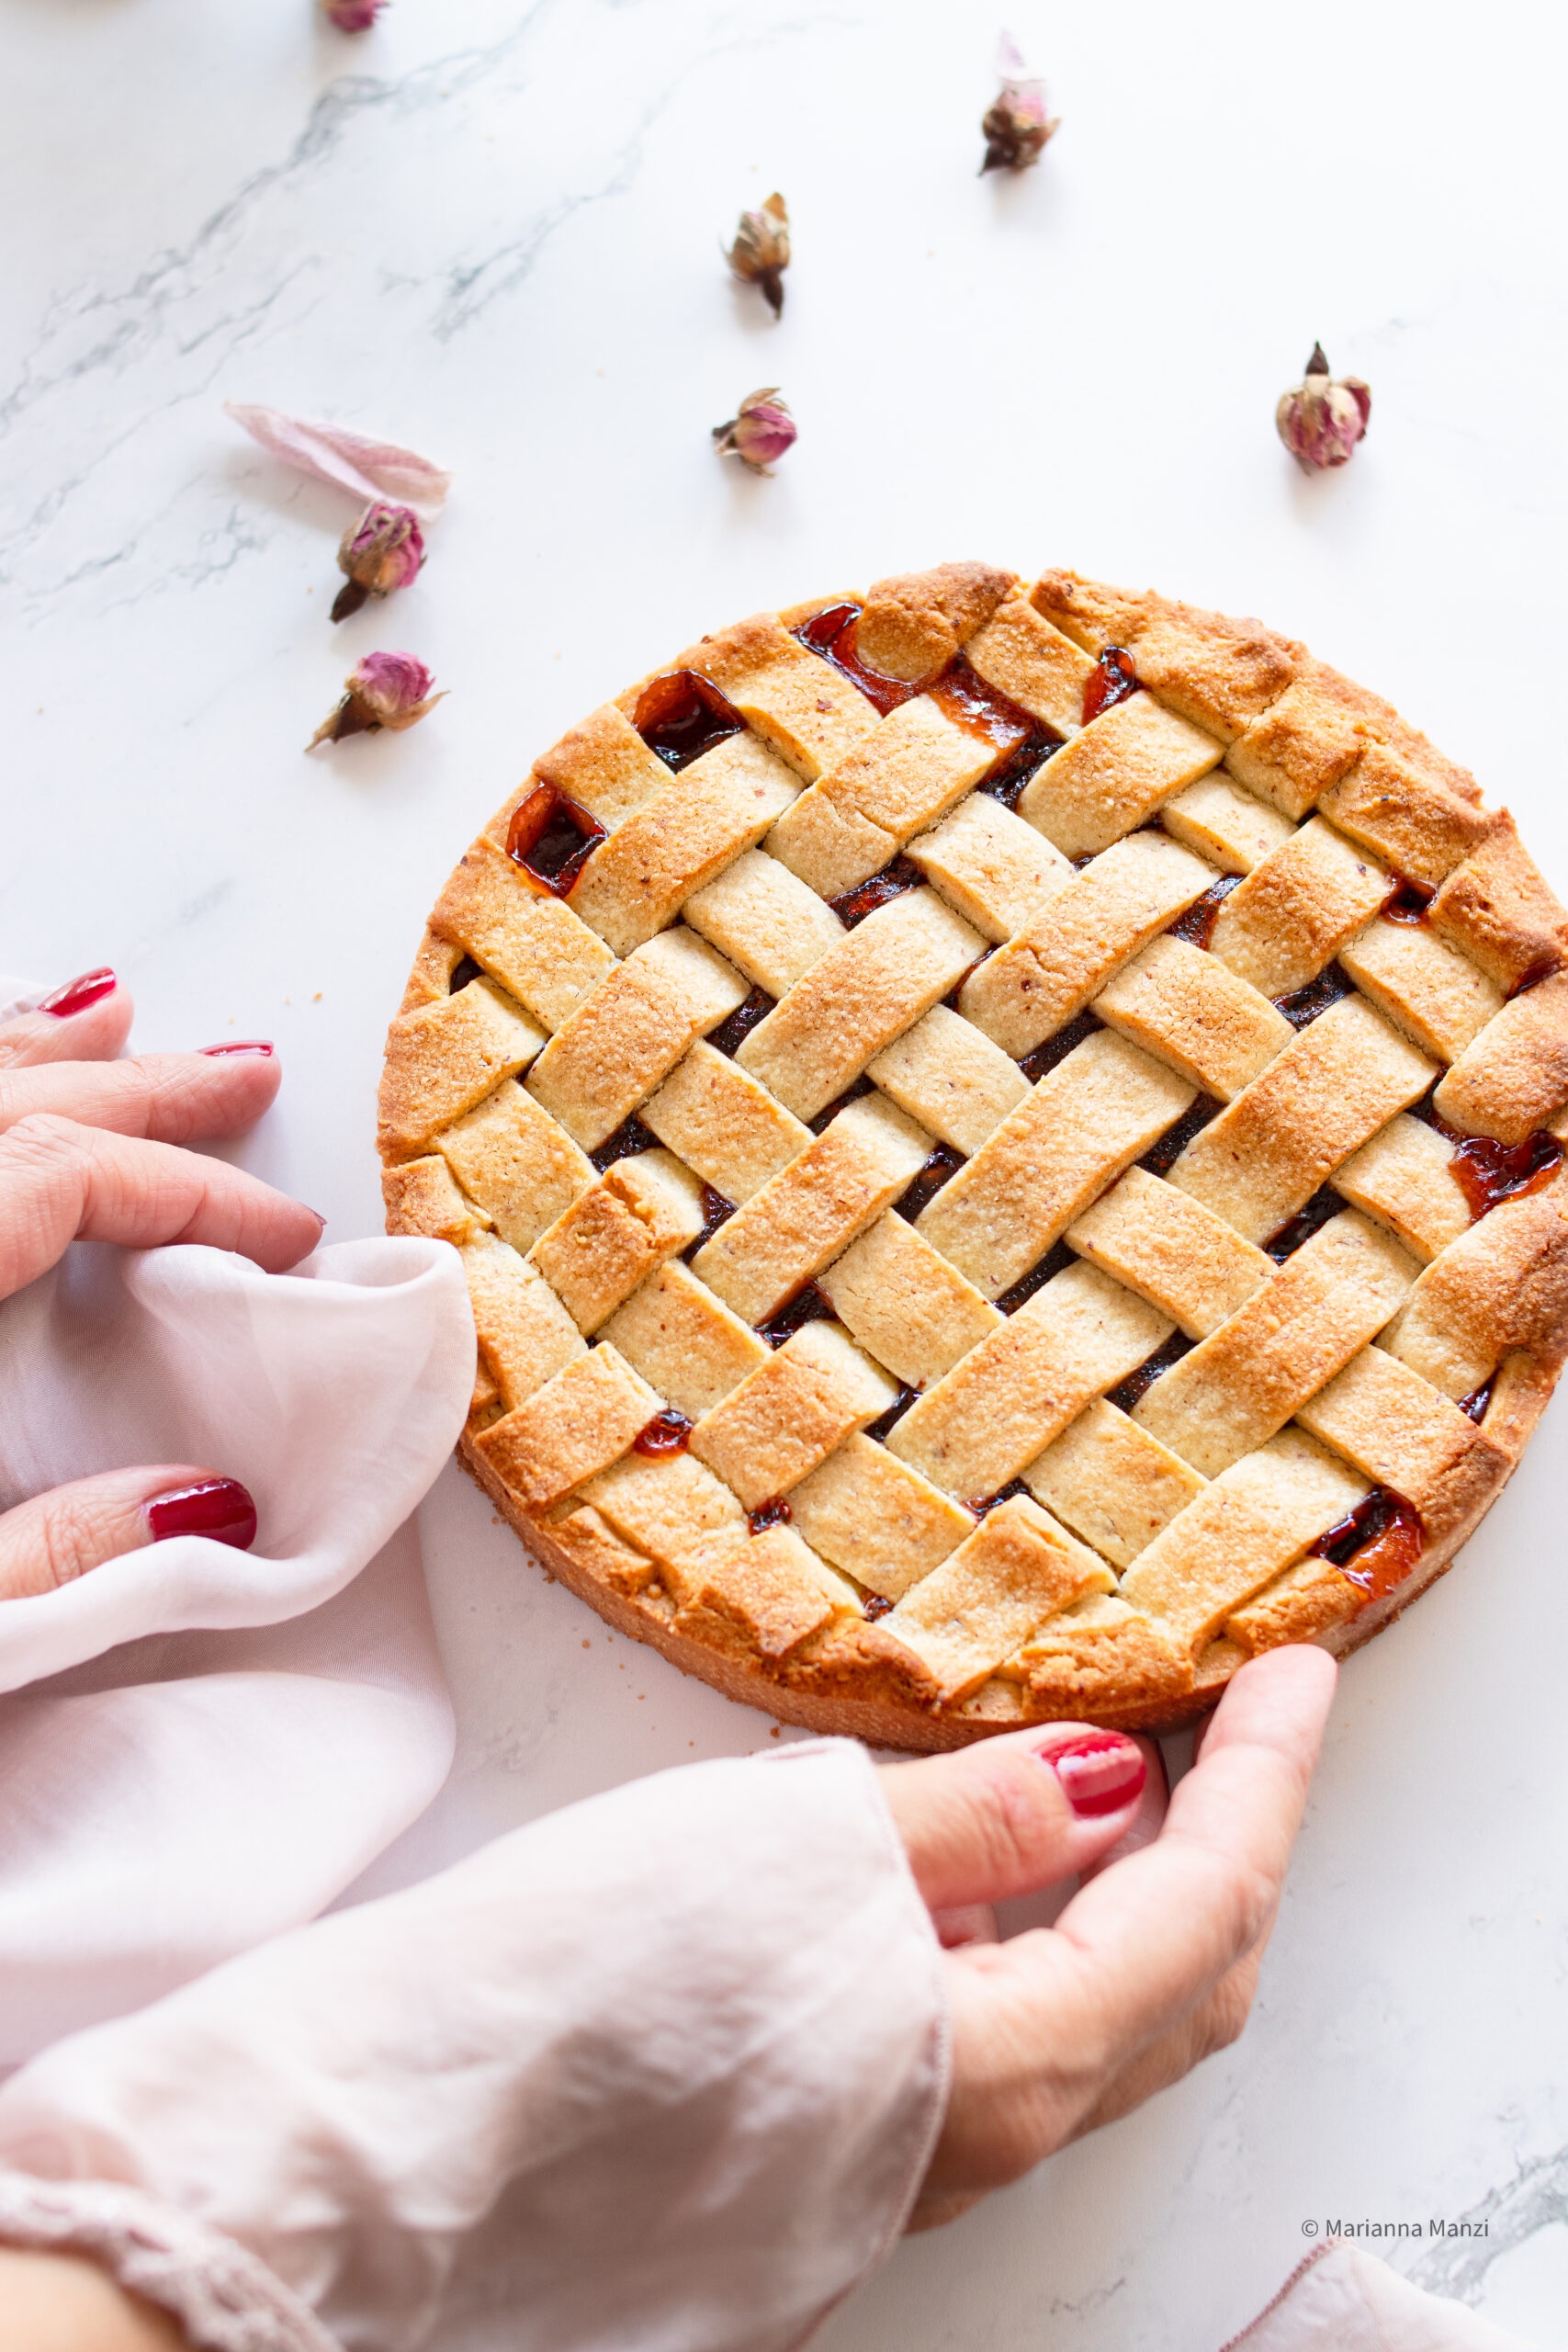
353	15
383	550
1016	125
762	431
388	690
760	254
1322	420
332	453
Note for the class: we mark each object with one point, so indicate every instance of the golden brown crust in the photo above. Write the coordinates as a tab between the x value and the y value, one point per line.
590	1324
1221	673
912	625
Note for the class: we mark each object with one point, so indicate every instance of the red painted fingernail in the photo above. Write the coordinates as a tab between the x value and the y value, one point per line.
239	1046
1100	1773
217	1507
78	994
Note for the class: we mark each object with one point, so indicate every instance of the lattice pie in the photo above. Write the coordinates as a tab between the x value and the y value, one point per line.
1005	1142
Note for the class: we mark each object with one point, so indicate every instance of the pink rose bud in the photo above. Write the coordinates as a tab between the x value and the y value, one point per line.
762	431
353	15
382	551
760	254
1016	124
387	690
1321	422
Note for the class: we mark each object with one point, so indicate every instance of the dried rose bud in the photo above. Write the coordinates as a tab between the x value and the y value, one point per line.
763	430
353	15
387	690
1016	124
1321	422
382	551
760	254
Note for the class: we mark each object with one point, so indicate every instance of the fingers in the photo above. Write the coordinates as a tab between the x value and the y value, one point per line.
1213	2025
88	1020
1009	1815
1148	1816
1159	1930
1045	2027
59	1536
165	1098
59	1180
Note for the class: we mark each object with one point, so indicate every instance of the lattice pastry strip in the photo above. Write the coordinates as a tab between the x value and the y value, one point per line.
857	999
801	707
763	1596
509	1156
684	1341
1293	912
905	1302
1399	1431
1114	773
1253	1372
1080	938
1111	1483
627	1035
892	784
1231	828
640	1214
722	1123
1017	1570
1214	1028
990	867
1424	986
770	924
984	1329
1497	1287
1033	664
950	1078
1404	1177
1086	1120
1172	1250
717	806
1342	1079
444	1058
875	1518
807	1216
603	766
1258	1516
538	948
983	1421
574	1424
1512	1079
790	1413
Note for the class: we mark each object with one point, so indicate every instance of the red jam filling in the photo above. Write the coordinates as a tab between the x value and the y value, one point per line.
552	839
682	715
1113	680
668	1433
1376	1545
831	633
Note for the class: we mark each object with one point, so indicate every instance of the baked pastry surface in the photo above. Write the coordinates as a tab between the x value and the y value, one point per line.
1007	1145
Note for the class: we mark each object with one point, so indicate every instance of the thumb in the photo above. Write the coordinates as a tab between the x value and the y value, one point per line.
59	1536
1015	1814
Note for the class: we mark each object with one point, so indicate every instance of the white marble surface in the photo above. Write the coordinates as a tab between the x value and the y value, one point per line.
490	229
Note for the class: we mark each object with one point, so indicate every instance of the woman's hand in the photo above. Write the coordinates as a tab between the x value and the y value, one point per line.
89	1149
1152	1964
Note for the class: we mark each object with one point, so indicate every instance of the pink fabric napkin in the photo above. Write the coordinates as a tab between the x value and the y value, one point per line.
202	1747
1341	2300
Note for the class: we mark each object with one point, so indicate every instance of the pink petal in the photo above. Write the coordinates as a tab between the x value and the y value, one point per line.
332	453
1010	66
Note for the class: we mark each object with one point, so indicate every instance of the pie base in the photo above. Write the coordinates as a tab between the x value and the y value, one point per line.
1522	1394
